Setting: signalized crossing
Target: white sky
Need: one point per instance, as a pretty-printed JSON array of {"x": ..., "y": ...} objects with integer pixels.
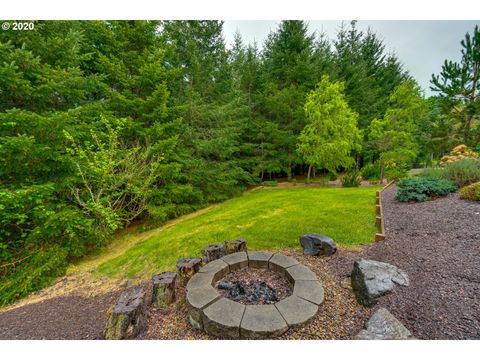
[{"x": 421, "y": 46}]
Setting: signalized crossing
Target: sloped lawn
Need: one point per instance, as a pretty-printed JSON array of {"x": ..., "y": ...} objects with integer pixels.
[{"x": 268, "y": 218}]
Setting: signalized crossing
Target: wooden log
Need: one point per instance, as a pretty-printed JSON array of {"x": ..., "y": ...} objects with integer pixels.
[
  {"x": 127, "y": 318},
  {"x": 213, "y": 252},
  {"x": 237, "y": 245},
  {"x": 163, "y": 293},
  {"x": 187, "y": 267}
]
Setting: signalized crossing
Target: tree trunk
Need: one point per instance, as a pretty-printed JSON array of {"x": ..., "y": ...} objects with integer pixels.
[
  {"x": 309, "y": 171},
  {"x": 314, "y": 171},
  {"x": 382, "y": 173},
  {"x": 289, "y": 170}
]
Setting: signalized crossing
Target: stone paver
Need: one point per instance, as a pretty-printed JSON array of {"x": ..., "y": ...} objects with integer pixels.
[
  {"x": 218, "y": 267},
  {"x": 197, "y": 300},
  {"x": 280, "y": 262},
  {"x": 236, "y": 261},
  {"x": 309, "y": 290},
  {"x": 262, "y": 321},
  {"x": 259, "y": 259},
  {"x": 223, "y": 318},
  {"x": 300, "y": 272},
  {"x": 201, "y": 280},
  {"x": 296, "y": 311}
]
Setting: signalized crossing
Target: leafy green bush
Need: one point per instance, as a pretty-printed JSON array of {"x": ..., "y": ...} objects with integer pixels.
[
  {"x": 462, "y": 172},
  {"x": 431, "y": 172},
  {"x": 270, "y": 183},
  {"x": 396, "y": 173},
  {"x": 471, "y": 192},
  {"x": 371, "y": 172},
  {"x": 421, "y": 189},
  {"x": 351, "y": 178}
]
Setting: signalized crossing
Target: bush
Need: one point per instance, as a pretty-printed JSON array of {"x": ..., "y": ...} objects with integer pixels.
[
  {"x": 351, "y": 178},
  {"x": 421, "y": 189},
  {"x": 371, "y": 172},
  {"x": 269, "y": 183},
  {"x": 395, "y": 173},
  {"x": 431, "y": 172},
  {"x": 458, "y": 153},
  {"x": 471, "y": 192},
  {"x": 462, "y": 172}
]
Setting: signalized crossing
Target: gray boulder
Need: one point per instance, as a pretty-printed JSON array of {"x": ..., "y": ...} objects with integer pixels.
[
  {"x": 384, "y": 326},
  {"x": 372, "y": 279},
  {"x": 128, "y": 317},
  {"x": 317, "y": 244}
]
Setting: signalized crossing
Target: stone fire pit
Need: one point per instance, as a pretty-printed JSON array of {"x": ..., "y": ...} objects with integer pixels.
[{"x": 225, "y": 318}]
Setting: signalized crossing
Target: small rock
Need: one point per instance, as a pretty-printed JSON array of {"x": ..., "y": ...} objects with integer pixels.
[
  {"x": 317, "y": 244},
  {"x": 372, "y": 279},
  {"x": 233, "y": 246},
  {"x": 384, "y": 326},
  {"x": 213, "y": 252},
  {"x": 127, "y": 318}
]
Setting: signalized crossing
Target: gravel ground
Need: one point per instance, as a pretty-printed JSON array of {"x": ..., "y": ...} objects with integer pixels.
[{"x": 436, "y": 242}]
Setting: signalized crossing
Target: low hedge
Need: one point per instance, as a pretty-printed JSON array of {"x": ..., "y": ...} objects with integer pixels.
[
  {"x": 421, "y": 189},
  {"x": 471, "y": 192}
]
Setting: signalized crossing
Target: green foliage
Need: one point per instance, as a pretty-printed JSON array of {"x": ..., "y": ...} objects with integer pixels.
[
  {"x": 462, "y": 172},
  {"x": 458, "y": 85},
  {"x": 371, "y": 172},
  {"x": 269, "y": 183},
  {"x": 393, "y": 136},
  {"x": 421, "y": 189},
  {"x": 352, "y": 178},
  {"x": 431, "y": 172},
  {"x": 331, "y": 133},
  {"x": 471, "y": 192}
]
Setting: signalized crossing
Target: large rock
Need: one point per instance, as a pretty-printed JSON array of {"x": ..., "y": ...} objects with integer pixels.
[
  {"x": 384, "y": 326},
  {"x": 128, "y": 318},
  {"x": 237, "y": 245},
  {"x": 317, "y": 244},
  {"x": 213, "y": 252},
  {"x": 372, "y": 279},
  {"x": 163, "y": 293}
]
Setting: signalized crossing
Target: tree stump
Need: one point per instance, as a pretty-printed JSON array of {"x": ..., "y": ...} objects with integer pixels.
[
  {"x": 127, "y": 318},
  {"x": 187, "y": 267},
  {"x": 163, "y": 289},
  {"x": 237, "y": 245},
  {"x": 213, "y": 252}
]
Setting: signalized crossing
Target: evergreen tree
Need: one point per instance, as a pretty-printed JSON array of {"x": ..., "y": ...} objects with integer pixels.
[{"x": 458, "y": 85}]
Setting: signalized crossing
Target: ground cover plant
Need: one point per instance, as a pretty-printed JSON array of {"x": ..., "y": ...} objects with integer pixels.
[
  {"x": 270, "y": 219},
  {"x": 471, "y": 192},
  {"x": 421, "y": 189}
]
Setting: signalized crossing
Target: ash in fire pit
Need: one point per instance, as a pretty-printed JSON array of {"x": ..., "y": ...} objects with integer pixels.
[{"x": 254, "y": 287}]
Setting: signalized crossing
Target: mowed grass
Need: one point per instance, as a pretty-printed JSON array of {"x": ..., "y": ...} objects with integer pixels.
[{"x": 269, "y": 219}]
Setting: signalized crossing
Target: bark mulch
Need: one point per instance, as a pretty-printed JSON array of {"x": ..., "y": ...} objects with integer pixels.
[{"x": 436, "y": 242}]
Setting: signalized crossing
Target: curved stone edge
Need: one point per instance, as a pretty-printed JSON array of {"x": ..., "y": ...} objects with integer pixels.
[{"x": 224, "y": 318}]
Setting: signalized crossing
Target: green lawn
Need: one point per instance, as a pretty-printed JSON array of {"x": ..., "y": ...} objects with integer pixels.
[{"x": 269, "y": 219}]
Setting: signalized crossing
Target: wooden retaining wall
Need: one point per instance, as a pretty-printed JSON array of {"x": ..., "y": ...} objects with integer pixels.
[{"x": 379, "y": 222}]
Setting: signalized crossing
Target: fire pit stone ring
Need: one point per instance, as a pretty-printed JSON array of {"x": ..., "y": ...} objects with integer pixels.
[{"x": 225, "y": 318}]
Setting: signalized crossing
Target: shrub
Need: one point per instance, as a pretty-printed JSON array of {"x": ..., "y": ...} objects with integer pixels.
[
  {"x": 396, "y": 173},
  {"x": 269, "y": 183},
  {"x": 431, "y": 172},
  {"x": 371, "y": 172},
  {"x": 458, "y": 153},
  {"x": 421, "y": 189},
  {"x": 471, "y": 192},
  {"x": 462, "y": 172},
  {"x": 351, "y": 178}
]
